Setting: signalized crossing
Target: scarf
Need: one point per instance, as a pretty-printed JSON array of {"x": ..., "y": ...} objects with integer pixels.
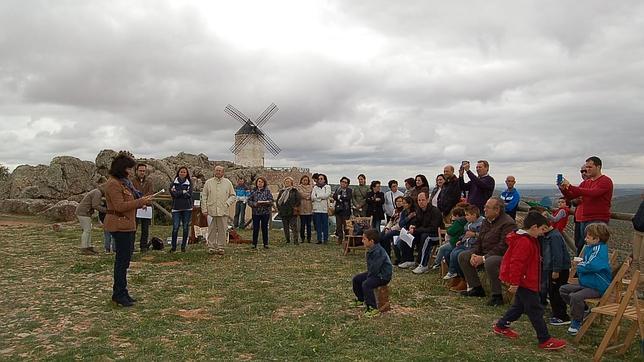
[
  {"x": 284, "y": 196},
  {"x": 127, "y": 183}
]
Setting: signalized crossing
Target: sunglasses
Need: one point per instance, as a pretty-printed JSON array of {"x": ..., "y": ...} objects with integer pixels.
[{"x": 582, "y": 171}]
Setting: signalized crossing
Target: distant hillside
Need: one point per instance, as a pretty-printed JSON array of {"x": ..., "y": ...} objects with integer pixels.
[{"x": 628, "y": 204}]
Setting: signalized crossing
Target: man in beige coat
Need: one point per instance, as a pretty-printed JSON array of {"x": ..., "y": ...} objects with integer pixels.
[{"x": 217, "y": 196}]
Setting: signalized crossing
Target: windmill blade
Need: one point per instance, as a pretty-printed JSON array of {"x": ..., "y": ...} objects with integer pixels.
[
  {"x": 269, "y": 144},
  {"x": 236, "y": 114},
  {"x": 268, "y": 113},
  {"x": 241, "y": 142}
]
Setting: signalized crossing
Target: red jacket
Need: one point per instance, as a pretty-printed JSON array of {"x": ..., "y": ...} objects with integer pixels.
[
  {"x": 521, "y": 264},
  {"x": 561, "y": 224},
  {"x": 596, "y": 197}
]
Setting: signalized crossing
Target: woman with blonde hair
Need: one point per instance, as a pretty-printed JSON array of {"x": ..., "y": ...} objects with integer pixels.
[
  {"x": 306, "y": 207},
  {"x": 287, "y": 201}
]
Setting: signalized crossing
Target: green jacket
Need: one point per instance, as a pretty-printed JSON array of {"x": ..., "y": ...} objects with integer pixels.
[{"x": 456, "y": 230}]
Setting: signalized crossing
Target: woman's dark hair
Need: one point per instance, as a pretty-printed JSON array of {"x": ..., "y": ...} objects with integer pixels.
[
  {"x": 187, "y": 172},
  {"x": 391, "y": 182},
  {"x": 409, "y": 200},
  {"x": 440, "y": 175},
  {"x": 410, "y": 181},
  {"x": 305, "y": 177},
  {"x": 120, "y": 163},
  {"x": 326, "y": 180},
  {"x": 315, "y": 176},
  {"x": 344, "y": 178},
  {"x": 263, "y": 179},
  {"x": 399, "y": 197},
  {"x": 374, "y": 183},
  {"x": 423, "y": 179},
  {"x": 362, "y": 175}
]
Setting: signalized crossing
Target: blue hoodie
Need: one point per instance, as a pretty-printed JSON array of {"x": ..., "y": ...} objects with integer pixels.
[{"x": 594, "y": 270}]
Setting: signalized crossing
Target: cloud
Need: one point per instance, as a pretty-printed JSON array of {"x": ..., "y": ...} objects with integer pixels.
[{"x": 363, "y": 86}]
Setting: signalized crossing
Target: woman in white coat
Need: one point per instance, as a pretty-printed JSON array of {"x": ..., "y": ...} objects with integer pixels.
[{"x": 320, "y": 197}]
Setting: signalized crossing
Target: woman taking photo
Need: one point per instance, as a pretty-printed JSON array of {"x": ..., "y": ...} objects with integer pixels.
[
  {"x": 375, "y": 200},
  {"x": 320, "y": 197},
  {"x": 181, "y": 192},
  {"x": 122, "y": 201},
  {"x": 306, "y": 207},
  {"x": 288, "y": 200},
  {"x": 261, "y": 201}
]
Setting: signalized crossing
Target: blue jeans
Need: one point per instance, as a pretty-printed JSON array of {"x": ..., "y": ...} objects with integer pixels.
[
  {"x": 240, "y": 215},
  {"x": 363, "y": 287},
  {"x": 321, "y": 221},
  {"x": 260, "y": 221},
  {"x": 124, "y": 241},
  {"x": 453, "y": 260},
  {"x": 443, "y": 252},
  {"x": 305, "y": 223},
  {"x": 108, "y": 242},
  {"x": 180, "y": 217},
  {"x": 375, "y": 224}
]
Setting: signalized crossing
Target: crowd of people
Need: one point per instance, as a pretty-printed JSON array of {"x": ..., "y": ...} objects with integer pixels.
[{"x": 480, "y": 231}]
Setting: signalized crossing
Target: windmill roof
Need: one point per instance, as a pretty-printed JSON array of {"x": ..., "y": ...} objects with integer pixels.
[{"x": 249, "y": 129}]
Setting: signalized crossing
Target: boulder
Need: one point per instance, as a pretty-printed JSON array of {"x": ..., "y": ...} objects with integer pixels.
[
  {"x": 64, "y": 210},
  {"x": 103, "y": 162},
  {"x": 33, "y": 179},
  {"x": 69, "y": 176},
  {"x": 24, "y": 206}
]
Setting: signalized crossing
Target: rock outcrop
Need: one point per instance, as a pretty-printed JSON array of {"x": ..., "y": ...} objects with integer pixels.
[{"x": 38, "y": 189}]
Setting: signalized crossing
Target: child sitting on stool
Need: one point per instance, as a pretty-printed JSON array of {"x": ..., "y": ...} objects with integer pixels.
[{"x": 379, "y": 271}]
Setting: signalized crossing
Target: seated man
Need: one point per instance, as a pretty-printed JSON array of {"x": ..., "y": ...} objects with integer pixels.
[
  {"x": 488, "y": 251},
  {"x": 424, "y": 227}
]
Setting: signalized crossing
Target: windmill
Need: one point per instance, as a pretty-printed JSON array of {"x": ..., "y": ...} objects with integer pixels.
[{"x": 250, "y": 139}]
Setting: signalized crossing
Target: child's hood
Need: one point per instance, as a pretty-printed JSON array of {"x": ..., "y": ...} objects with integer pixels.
[{"x": 513, "y": 236}]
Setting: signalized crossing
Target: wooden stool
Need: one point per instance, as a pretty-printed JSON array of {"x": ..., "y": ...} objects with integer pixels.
[{"x": 382, "y": 298}]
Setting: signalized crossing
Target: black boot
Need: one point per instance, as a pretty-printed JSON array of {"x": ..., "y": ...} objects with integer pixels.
[
  {"x": 497, "y": 299},
  {"x": 475, "y": 292}
]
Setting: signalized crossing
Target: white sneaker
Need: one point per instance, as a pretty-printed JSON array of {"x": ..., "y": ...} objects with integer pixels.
[
  {"x": 435, "y": 266},
  {"x": 420, "y": 270},
  {"x": 407, "y": 264},
  {"x": 450, "y": 275}
]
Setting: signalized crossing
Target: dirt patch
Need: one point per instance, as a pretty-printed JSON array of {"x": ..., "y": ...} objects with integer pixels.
[
  {"x": 170, "y": 263},
  {"x": 291, "y": 312},
  {"x": 246, "y": 357},
  {"x": 196, "y": 314},
  {"x": 400, "y": 310}
]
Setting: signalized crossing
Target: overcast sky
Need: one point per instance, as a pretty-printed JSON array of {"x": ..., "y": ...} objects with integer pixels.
[{"x": 387, "y": 88}]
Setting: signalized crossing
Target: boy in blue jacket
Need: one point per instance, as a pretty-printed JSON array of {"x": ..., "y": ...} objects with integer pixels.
[
  {"x": 594, "y": 274},
  {"x": 555, "y": 269},
  {"x": 379, "y": 272}
]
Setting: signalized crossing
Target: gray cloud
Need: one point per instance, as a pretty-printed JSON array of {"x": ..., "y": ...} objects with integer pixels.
[{"x": 534, "y": 87}]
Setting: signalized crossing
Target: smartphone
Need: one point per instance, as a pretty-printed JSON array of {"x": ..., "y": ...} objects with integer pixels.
[{"x": 559, "y": 179}]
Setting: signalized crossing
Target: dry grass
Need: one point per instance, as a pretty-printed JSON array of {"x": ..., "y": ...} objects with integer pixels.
[{"x": 285, "y": 303}]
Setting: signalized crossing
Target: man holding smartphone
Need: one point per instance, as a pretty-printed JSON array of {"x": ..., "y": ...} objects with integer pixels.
[{"x": 480, "y": 186}]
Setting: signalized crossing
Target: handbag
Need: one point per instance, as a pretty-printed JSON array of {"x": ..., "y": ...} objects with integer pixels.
[{"x": 331, "y": 207}]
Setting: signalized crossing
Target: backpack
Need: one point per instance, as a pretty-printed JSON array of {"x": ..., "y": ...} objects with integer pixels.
[{"x": 157, "y": 244}]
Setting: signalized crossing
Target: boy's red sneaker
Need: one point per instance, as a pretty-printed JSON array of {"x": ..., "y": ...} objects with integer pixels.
[
  {"x": 506, "y": 332},
  {"x": 552, "y": 344}
]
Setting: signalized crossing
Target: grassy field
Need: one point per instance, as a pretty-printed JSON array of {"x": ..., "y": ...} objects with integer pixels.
[{"x": 285, "y": 303}]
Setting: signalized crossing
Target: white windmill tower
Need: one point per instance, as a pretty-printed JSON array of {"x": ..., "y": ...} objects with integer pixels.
[{"x": 250, "y": 140}]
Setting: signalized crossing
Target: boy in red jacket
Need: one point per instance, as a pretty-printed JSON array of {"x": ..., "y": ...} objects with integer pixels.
[{"x": 520, "y": 268}]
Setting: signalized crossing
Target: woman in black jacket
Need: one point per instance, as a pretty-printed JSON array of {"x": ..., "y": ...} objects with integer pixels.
[
  {"x": 288, "y": 201},
  {"x": 375, "y": 199},
  {"x": 181, "y": 192},
  {"x": 342, "y": 197}
]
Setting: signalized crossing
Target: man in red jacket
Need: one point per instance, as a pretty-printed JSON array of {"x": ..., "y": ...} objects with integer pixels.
[
  {"x": 596, "y": 193},
  {"x": 520, "y": 269}
]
